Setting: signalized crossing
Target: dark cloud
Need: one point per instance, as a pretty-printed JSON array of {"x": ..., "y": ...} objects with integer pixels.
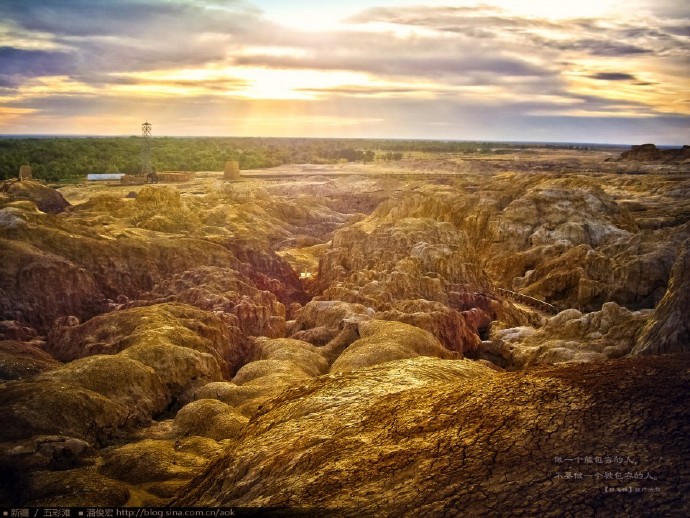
[
  {"x": 609, "y": 48},
  {"x": 678, "y": 30},
  {"x": 133, "y": 18},
  {"x": 102, "y": 37},
  {"x": 613, "y": 76},
  {"x": 621, "y": 76},
  {"x": 17, "y": 65}
]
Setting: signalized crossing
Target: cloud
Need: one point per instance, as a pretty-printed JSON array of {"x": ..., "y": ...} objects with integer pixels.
[
  {"x": 484, "y": 22},
  {"x": 423, "y": 67},
  {"x": 18, "y": 64},
  {"x": 133, "y": 18},
  {"x": 601, "y": 47},
  {"x": 613, "y": 76},
  {"x": 401, "y": 64},
  {"x": 621, "y": 76},
  {"x": 99, "y": 37}
]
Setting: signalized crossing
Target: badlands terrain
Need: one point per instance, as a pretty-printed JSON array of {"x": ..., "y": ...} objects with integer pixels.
[{"x": 428, "y": 337}]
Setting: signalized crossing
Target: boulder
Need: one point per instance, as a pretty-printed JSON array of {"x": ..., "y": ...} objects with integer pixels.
[
  {"x": 209, "y": 418},
  {"x": 159, "y": 460},
  {"x": 72, "y": 488},
  {"x": 383, "y": 342},
  {"x": 46, "y": 198},
  {"x": 23, "y": 360}
]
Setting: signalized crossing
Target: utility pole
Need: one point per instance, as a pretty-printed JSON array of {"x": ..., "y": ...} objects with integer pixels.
[
  {"x": 146, "y": 149},
  {"x": 146, "y": 169}
]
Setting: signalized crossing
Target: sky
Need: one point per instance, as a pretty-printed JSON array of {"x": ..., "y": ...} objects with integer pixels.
[{"x": 605, "y": 71}]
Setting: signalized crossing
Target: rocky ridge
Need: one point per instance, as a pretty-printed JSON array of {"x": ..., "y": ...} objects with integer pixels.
[
  {"x": 649, "y": 152},
  {"x": 464, "y": 440}
]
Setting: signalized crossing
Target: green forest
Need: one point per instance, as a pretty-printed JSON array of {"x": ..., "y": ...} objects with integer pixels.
[{"x": 72, "y": 158}]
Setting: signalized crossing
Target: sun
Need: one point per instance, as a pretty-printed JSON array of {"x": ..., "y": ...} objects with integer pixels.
[{"x": 265, "y": 83}]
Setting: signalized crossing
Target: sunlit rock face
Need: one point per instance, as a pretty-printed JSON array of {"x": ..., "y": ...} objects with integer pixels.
[
  {"x": 570, "y": 243},
  {"x": 381, "y": 342},
  {"x": 668, "y": 329},
  {"x": 123, "y": 369},
  {"x": 438, "y": 437},
  {"x": 569, "y": 337},
  {"x": 345, "y": 343},
  {"x": 226, "y": 291},
  {"x": 177, "y": 324},
  {"x": 408, "y": 263}
]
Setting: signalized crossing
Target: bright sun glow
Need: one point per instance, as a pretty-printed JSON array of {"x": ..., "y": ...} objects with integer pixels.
[
  {"x": 265, "y": 83},
  {"x": 244, "y": 82}
]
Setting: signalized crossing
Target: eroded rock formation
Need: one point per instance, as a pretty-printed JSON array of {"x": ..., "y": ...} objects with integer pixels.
[
  {"x": 649, "y": 152},
  {"x": 570, "y": 336},
  {"x": 428, "y": 437},
  {"x": 668, "y": 330},
  {"x": 300, "y": 343}
]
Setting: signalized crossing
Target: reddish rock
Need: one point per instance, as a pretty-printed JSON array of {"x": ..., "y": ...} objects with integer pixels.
[
  {"x": 257, "y": 312},
  {"x": 13, "y": 330},
  {"x": 37, "y": 286}
]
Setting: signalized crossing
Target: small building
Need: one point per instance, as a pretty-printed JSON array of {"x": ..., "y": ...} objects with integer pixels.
[
  {"x": 94, "y": 177},
  {"x": 25, "y": 172},
  {"x": 175, "y": 176},
  {"x": 131, "y": 179},
  {"x": 162, "y": 177},
  {"x": 232, "y": 170}
]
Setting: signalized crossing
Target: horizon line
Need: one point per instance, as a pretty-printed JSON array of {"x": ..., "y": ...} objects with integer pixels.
[{"x": 418, "y": 139}]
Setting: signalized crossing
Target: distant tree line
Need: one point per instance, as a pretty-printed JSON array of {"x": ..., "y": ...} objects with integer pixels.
[{"x": 56, "y": 158}]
